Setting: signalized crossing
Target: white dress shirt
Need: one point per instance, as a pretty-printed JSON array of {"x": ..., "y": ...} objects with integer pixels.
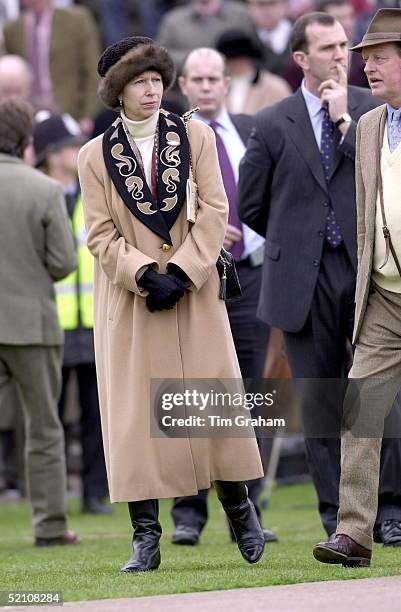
[{"x": 235, "y": 150}]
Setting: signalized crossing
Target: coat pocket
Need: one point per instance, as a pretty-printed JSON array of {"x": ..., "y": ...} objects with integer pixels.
[
  {"x": 115, "y": 298},
  {"x": 272, "y": 250}
]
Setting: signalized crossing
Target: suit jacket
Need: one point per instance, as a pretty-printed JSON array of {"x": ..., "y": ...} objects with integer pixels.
[
  {"x": 283, "y": 195},
  {"x": 243, "y": 124},
  {"x": 73, "y": 56},
  {"x": 370, "y": 128},
  {"x": 36, "y": 248}
]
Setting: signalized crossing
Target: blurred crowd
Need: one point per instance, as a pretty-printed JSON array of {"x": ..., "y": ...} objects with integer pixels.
[
  {"x": 61, "y": 41},
  {"x": 49, "y": 51}
]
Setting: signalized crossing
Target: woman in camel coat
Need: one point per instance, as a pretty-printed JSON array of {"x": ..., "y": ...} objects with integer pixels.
[{"x": 157, "y": 311}]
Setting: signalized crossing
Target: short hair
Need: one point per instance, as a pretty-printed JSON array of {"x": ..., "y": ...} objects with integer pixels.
[
  {"x": 205, "y": 51},
  {"x": 298, "y": 38},
  {"x": 16, "y": 121}
]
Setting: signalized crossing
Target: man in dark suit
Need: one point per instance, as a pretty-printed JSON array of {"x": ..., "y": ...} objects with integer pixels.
[
  {"x": 205, "y": 84},
  {"x": 297, "y": 188}
]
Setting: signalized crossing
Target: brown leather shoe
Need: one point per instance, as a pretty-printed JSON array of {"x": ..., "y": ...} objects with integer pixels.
[
  {"x": 69, "y": 537},
  {"x": 343, "y": 549}
]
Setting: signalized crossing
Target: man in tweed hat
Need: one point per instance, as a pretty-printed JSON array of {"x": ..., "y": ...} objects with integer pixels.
[{"x": 376, "y": 372}]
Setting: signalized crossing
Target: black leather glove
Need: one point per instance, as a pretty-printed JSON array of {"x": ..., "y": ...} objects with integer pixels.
[
  {"x": 182, "y": 280},
  {"x": 164, "y": 291}
]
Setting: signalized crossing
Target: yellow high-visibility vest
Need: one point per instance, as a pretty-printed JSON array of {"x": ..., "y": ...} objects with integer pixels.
[{"x": 74, "y": 294}]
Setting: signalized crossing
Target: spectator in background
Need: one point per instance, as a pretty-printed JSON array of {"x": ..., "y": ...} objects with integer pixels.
[
  {"x": 115, "y": 17},
  {"x": 57, "y": 140},
  {"x": 15, "y": 77},
  {"x": 251, "y": 88},
  {"x": 9, "y": 9},
  {"x": 273, "y": 29},
  {"x": 344, "y": 12},
  {"x": 199, "y": 25},
  {"x": 36, "y": 249},
  {"x": 15, "y": 81},
  {"x": 61, "y": 47},
  {"x": 297, "y": 8}
]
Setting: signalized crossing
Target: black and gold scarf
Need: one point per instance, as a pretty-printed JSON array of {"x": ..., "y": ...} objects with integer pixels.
[{"x": 160, "y": 214}]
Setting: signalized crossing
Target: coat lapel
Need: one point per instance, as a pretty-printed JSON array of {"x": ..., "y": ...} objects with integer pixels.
[
  {"x": 303, "y": 137},
  {"x": 158, "y": 214},
  {"x": 376, "y": 142}
]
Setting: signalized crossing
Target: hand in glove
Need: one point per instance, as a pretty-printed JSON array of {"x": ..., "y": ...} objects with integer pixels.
[
  {"x": 182, "y": 280},
  {"x": 164, "y": 292}
]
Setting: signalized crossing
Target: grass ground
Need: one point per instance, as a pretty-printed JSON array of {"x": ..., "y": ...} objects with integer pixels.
[{"x": 90, "y": 570}]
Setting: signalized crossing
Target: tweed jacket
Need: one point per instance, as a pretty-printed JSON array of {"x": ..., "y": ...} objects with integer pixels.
[
  {"x": 36, "y": 248},
  {"x": 370, "y": 128},
  {"x": 73, "y": 55}
]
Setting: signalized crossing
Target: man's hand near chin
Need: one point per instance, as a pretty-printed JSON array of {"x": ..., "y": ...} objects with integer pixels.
[{"x": 334, "y": 94}]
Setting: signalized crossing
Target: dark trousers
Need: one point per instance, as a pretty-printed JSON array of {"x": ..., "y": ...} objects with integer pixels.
[
  {"x": 250, "y": 339},
  {"x": 319, "y": 357},
  {"x": 94, "y": 479}
]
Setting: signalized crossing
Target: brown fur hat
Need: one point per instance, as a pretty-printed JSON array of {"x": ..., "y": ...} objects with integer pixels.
[{"x": 125, "y": 60}]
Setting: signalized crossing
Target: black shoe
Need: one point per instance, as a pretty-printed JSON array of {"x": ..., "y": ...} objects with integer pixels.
[
  {"x": 243, "y": 520},
  {"x": 185, "y": 535},
  {"x": 95, "y": 505},
  {"x": 388, "y": 533},
  {"x": 270, "y": 536},
  {"x": 146, "y": 557},
  {"x": 344, "y": 550},
  {"x": 147, "y": 532}
]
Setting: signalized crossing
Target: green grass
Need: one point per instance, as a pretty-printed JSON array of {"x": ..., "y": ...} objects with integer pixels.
[{"x": 91, "y": 569}]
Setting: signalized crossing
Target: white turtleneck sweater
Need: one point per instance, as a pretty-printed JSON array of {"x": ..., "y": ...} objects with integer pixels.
[{"x": 143, "y": 132}]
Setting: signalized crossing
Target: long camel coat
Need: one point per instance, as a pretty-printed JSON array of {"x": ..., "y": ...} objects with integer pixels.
[{"x": 134, "y": 345}]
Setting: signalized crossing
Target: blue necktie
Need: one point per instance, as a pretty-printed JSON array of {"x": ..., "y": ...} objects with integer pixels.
[
  {"x": 327, "y": 148},
  {"x": 394, "y": 135}
]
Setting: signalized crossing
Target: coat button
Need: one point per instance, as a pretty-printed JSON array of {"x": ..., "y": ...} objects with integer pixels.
[
  {"x": 165, "y": 246},
  {"x": 325, "y": 203},
  {"x": 316, "y": 263}
]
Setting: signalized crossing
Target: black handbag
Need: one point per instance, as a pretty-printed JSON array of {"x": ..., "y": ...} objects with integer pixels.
[{"x": 230, "y": 288}]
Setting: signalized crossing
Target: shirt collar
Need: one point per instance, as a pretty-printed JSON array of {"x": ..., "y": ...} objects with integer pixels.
[
  {"x": 390, "y": 111},
  {"x": 313, "y": 103},
  {"x": 223, "y": 119}
]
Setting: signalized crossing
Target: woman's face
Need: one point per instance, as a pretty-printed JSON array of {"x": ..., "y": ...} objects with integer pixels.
[{"x": 142, "y": 96}]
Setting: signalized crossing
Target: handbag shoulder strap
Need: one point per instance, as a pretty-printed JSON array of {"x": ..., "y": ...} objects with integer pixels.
[
  {"x": 386, "y": 231},
  {"x": 186, "y": 117}
]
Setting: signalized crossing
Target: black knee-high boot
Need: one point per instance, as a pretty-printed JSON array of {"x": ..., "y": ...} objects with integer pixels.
[
  {"x": 242, "y": 517},
  {"x": 145, "y": 541}
]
